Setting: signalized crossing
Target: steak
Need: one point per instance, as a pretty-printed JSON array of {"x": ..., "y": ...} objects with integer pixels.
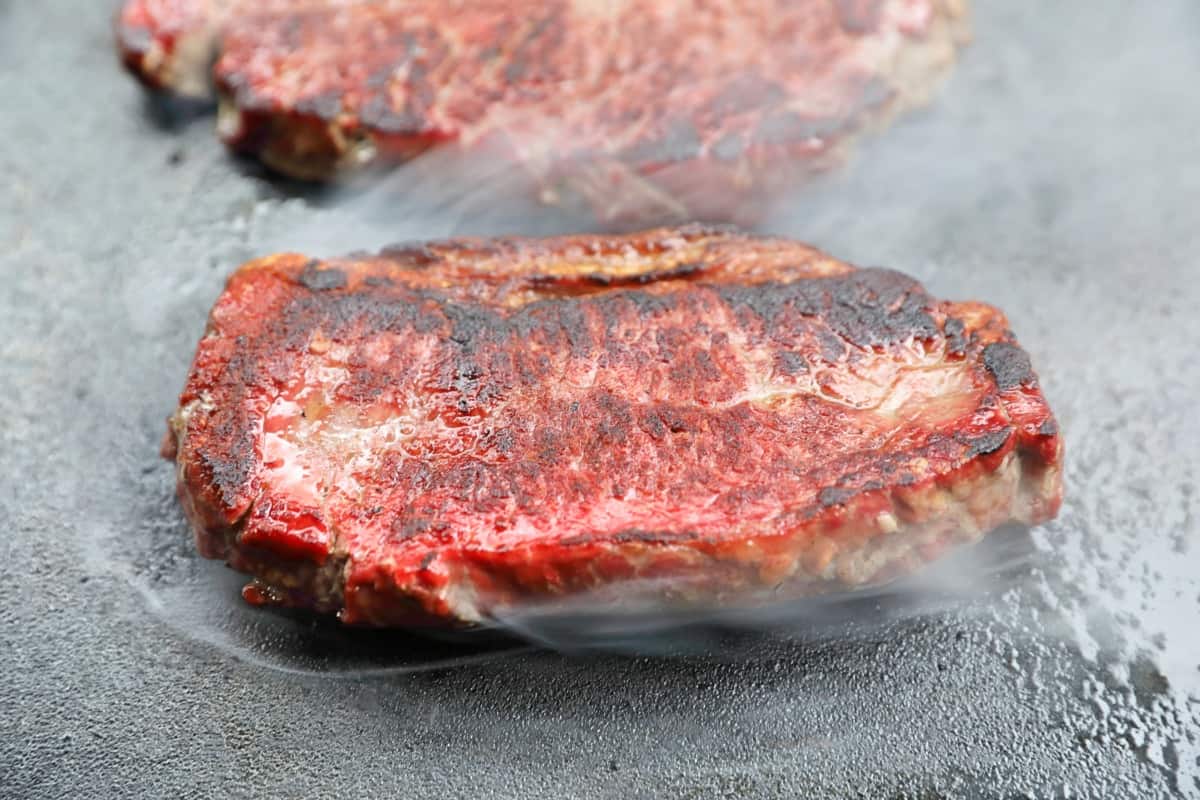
[
  {"x": 675, "y": 109},
  {"x": 446, "y": 432}
]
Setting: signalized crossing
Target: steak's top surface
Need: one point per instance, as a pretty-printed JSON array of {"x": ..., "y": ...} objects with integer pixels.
[
  {"x": 318, "y": 84},
  {"x": 513, "y": 399}
]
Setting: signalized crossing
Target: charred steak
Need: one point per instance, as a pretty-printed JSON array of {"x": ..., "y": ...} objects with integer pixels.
[
  {"x": 679, "y": 108},
  {"x": 683, "y": 416}
]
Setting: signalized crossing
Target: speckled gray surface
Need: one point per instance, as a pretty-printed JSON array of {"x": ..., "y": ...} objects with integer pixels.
[{"x": 1058, "y": 176}]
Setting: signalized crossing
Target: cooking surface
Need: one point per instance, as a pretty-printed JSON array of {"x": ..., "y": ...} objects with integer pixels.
[{"x": 1056, "y": 177}]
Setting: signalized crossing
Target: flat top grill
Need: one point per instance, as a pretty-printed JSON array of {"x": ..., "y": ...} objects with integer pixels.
[{"x": 1056, "y": 177}]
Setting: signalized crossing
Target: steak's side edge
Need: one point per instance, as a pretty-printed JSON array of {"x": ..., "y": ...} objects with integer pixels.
[
  {"x": 870, "y": 543},
  {"x": 868, "y": 540},
  {"x": 170, "y": 55}
]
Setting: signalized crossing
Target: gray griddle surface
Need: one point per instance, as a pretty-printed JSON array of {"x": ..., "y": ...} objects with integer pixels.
[{"x": 1057, "y": 176}]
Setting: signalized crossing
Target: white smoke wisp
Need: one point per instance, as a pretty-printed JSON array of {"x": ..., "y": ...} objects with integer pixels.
[
  {"x": 441, "y": 194},
  {"x": 961, "y": 582}
]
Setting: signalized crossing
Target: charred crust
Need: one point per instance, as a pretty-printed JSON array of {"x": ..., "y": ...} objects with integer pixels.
[
  {"x": 654, "y": 537},
  {"x": 653, "y": 424},
  {"x": 987, "y": 443},
  {"x": 408, "y": 527},
  {"x": 230, "y": 469},
  {"x": 956, "y": 340},
  {"x": 634, "y": 536},
  {"x": 379, "y": 115},
  {"x": 790, "y": 363},
  {"x": 325, "y": 106},
  {"x": 835, "y": 496},
  {"x": 681, "y": 271},
  {"x": 866, "y": 308},
  {"x": 415, "y": 255},
  {"x": 320, "y": 280},
  {"x": 833, "y": 349},
  {"x": 1009, "y": 365}
]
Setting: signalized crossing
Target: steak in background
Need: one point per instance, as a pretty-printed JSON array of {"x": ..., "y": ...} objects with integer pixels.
[
  {"x": 687, "y": 417},
  {"x": 665, "y": 110}
]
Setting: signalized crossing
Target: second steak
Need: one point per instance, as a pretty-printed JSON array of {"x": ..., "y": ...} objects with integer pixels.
[{"x": 636, "y": 111}]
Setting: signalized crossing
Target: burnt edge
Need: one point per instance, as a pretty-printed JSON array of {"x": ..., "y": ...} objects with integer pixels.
[
  {"x": 1009, "y": 365},
  {"x": 987, "y": 443},
  {"x": 321, "y": 279}
]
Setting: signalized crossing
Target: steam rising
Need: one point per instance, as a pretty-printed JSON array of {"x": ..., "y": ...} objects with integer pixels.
[
  {"x": 954, "y": 583},
  {"x": 206, "y": 605},
  {"x": 445, "y": 192}
]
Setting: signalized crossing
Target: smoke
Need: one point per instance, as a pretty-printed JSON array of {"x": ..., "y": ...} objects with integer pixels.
[
  {"x": 961, "y": 582},
  {"x": 443, "y": 193},
  {"x": 205, "y": 604},
  {"x": 202, "y": 600}
]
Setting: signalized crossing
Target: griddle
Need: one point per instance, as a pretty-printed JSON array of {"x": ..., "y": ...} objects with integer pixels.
[{"x": 1057, "y": 176}]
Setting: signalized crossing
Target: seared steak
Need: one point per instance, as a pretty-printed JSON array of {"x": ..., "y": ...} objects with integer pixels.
[
  {"x": 687, "y": 416},
  {"x": 670, "y": 109}
]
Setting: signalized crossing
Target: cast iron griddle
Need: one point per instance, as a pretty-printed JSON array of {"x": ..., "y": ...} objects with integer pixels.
[{"x": 1057, "y": 177}]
